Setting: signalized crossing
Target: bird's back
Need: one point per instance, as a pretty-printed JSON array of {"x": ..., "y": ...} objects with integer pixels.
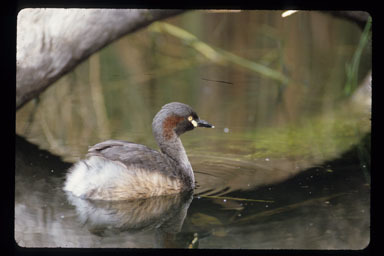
[{"x": 120, "y": 170}]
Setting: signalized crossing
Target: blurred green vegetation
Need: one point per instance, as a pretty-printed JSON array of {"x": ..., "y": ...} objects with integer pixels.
[
  {"x": 352, "y": 68},
  {"x": 275, "y": 84},
  {"x": 217, "y": 56}
]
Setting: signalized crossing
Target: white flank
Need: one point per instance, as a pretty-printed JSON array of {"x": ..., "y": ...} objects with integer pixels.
[{"x": 101, "y": 179}]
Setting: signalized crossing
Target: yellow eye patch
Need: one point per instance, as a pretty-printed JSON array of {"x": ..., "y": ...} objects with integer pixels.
[{"x": 190, "y": 119}]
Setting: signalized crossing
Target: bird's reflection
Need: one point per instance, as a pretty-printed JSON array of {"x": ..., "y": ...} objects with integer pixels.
[{"x": 166, "y": 214}]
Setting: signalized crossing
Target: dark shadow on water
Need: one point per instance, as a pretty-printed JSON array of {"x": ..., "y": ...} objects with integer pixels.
[
  {"x": 324, "y": 207},
  {"x": 31, "y": 160}
]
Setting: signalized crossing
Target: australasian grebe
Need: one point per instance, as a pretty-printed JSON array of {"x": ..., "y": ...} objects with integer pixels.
[{"x": 120, "y": 170}]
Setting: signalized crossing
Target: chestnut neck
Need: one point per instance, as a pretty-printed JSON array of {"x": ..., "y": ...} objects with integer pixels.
[{"x": 171, "y": 145}]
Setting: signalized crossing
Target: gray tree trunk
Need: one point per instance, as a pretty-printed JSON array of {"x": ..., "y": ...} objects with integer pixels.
[{"x": 51, "y": 42}]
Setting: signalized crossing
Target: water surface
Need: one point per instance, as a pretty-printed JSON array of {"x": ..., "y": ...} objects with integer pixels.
[{"x": 287, "y": 166}]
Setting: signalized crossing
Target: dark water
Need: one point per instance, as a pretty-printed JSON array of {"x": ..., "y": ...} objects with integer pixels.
[
  {"x": 323, "y": 207},
  {"x": 287, "y": 166}
]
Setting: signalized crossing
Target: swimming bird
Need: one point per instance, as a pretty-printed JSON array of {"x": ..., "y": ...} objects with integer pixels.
[{"x": 121, "y": 170}]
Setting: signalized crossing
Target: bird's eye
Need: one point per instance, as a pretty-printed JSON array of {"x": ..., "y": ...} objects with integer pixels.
[{"x": 192, "y": 120}]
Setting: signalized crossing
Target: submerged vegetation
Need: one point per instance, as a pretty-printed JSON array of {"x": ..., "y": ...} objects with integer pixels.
[{"x": 321, "y": 137}]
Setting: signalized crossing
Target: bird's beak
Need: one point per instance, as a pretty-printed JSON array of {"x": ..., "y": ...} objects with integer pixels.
[{"x": 202, "y": 123}]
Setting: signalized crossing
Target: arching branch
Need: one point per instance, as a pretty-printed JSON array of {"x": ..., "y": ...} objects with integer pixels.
[{"x": 51, "y": 42}]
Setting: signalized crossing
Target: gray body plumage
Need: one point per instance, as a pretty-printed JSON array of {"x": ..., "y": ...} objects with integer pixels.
[
  {"x": 132, "y": 154},
  {"x": 119, "y": 170}
]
